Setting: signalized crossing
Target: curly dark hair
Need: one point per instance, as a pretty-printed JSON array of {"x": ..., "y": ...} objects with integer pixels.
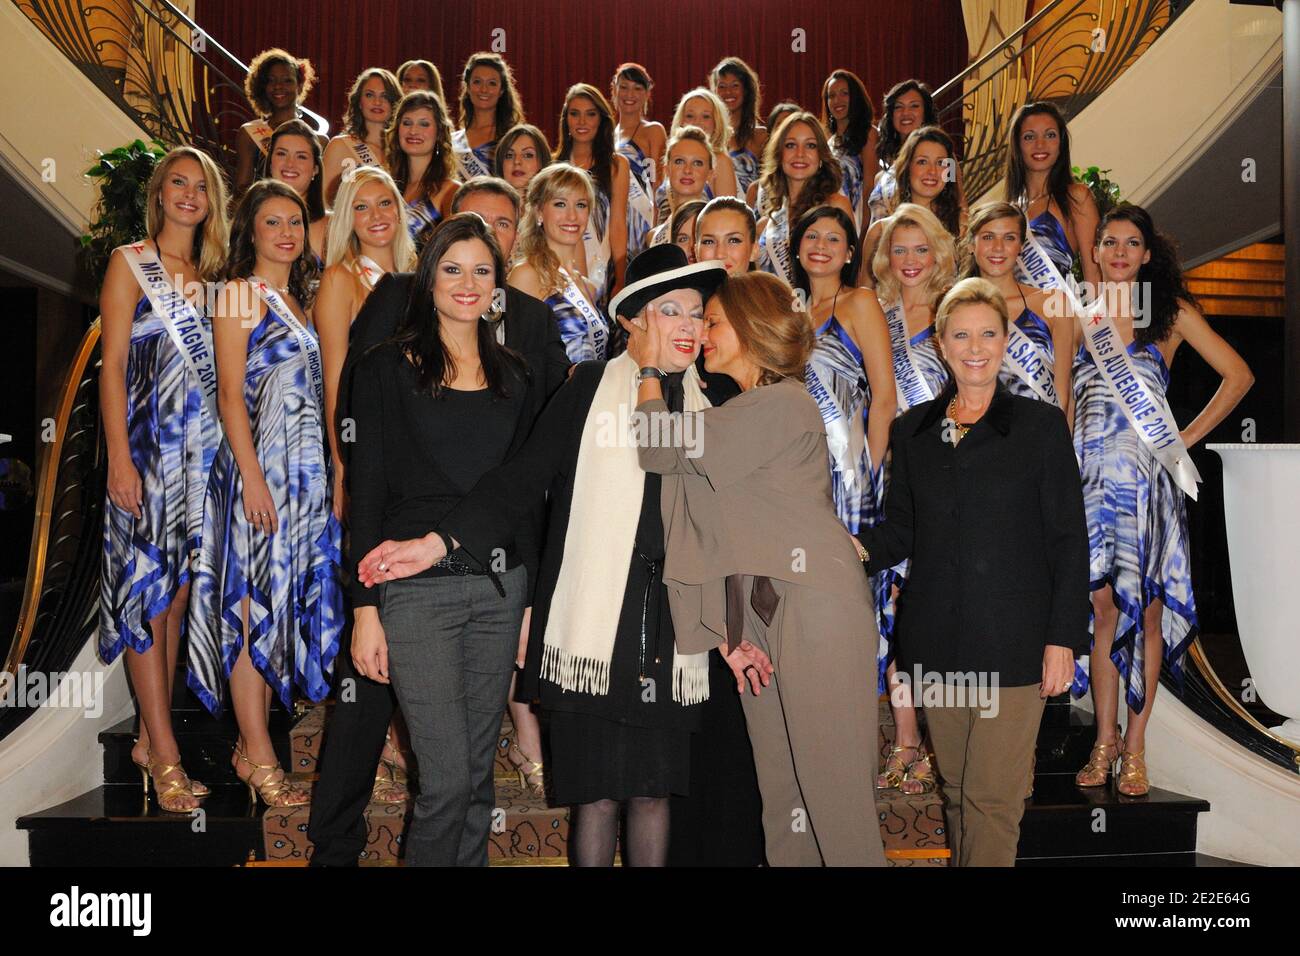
[
  {"x": 1162, "y": 274},
  {"x": 259, "y": 73},
  {"x": 354, "y": 121},
  {"x": 890, "y": 142},
  {"x": 857, "y": 126},
  {"x": 442, "y": 165},
  {"x": 418, "y": 332},
  {"x": 304, "y": 274}
]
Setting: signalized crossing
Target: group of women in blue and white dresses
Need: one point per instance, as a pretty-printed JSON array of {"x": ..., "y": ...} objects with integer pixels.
[{"x": 224, "y": 484}]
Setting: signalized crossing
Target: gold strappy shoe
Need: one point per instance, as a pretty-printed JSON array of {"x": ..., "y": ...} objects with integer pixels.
[
  {"x": 920, "y": 775},
  {"x": 895, "y": 768},
  {"x": 527, "y": 770},
  {"x": 1132, "y": 780},
  {"x": 1101, "y": 762},
  {"x": 275, "y": 789},
  {"x": 196, "y": 787},
  {"x": 175, "y": 789}
]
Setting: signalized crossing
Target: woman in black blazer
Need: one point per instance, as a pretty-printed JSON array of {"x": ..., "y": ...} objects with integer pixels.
[{"x": 985, "y": 499}]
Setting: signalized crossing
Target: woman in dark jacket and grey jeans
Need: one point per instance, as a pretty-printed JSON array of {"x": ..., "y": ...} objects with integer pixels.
[{"x": 985, "y": 499}]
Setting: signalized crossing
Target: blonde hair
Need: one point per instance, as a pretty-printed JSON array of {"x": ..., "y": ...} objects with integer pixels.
[
  {"x": 775, "y": 335},
  {"x": 210, "y": 241},
  {"x": 972, "y": 291},
  {"x": 544, "y": 187},
  {"x": 945, "y": 253},
  {"x": 721, "y": 118},
  {"x": 687, "y": 134},
  {"x": 341, "y": 241}
]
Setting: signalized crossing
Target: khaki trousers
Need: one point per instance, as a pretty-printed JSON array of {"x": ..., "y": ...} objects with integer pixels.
[
  {"x": 983, "y": 762},
  {"x": 813, "y": 729}
]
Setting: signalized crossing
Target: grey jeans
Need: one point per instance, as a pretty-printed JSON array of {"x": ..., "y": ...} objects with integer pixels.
[{"x": 451, "y": 652}]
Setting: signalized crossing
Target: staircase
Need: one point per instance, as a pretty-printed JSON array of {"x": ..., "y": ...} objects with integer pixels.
[{"x": 113, "y": 825}]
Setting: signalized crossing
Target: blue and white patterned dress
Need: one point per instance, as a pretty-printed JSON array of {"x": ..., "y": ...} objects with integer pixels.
[
  {"x": 421, "y": 216},
  {"x": 640, "y": 202},
  {"x": 934, "y": 373},
  {"x": 1137, "y": 522},
  {"x": 774, "y": 254},
  {"x": 884, "y": 196},
  {"x": 1047, "y": 229},
  {"x": 471, "y": 161},
  {"x": 583, "y": 328},
  {"x": 1038, "y": 332},
  {"x": 173, "y": 440},
  {"x": 745, "y": 164},
  {"x": 837, "y": 381},
  {"x": 292, "y": 577},
  {"x": 851, "y": 182}
]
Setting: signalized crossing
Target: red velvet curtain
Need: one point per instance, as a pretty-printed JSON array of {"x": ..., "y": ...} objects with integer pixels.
[{"x": 552, "y": 44}]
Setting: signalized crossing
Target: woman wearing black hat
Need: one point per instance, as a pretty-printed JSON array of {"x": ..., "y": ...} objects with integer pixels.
[{"x": 621, "y": 700}]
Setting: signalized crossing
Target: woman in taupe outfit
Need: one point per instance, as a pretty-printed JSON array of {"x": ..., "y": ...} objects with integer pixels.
[{"x": 751, "y": 528}]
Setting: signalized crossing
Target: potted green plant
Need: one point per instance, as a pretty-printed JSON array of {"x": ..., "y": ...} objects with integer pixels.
[
  {"x": 121, "y": 177},
  {"x": 1105, "y": 193}
]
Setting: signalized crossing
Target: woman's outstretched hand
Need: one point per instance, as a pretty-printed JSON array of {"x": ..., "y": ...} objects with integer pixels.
[
  {"x": 748, "y": 662},
  {"x": 400, "y": 559}
]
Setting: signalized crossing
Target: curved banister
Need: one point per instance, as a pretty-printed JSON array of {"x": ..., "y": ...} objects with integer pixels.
[{"x": 157, "y": 65}]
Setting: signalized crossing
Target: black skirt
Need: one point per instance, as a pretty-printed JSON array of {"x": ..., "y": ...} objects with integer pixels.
[{"x": 593, "y": 758}]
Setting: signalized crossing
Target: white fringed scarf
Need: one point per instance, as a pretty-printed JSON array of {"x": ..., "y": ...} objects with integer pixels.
[{"x": 585, "y": 608}]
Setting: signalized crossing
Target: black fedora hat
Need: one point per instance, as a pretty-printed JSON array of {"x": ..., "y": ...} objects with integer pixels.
[{"x": 662, "y": 269}]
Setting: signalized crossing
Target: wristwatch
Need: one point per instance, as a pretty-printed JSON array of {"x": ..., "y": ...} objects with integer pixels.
[{"x": 650, "y": 372}]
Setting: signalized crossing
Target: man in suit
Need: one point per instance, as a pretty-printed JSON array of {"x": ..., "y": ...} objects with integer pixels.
[{"x": 354, "y": 741}]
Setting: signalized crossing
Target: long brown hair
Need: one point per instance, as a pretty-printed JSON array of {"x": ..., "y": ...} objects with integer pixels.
[
  {"x": 315, "y": 190},
  {"x": 509, "y": 111},
  {"x": 751, "y": 96},
  {"x": 443, "y": 161},
  {"x": 602, "y": 148},
  {"x": 857, "y": 125},
  {"x": 435, "y": 78},
  {"x": 354, "y": 121},
  {"x": 947, "y": 205},
  {"x": 822, "y": 184},
  {"x": 1059, "y": 177},
  {"x": 304, "y": 274}
]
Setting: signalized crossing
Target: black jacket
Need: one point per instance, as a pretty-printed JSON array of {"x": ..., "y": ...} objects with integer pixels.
[
  {"x": 996, "y": 532},
  {"x": 530, "y": 330}
]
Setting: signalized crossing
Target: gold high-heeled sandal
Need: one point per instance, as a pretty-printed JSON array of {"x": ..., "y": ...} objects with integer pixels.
[
  {"x": 196, "y": 787},
  {"x": 1132, "y": 781},
  {"x": 275, "y": 791},
  {"x": 527, "y": 770},
  {"x": 1101, "y": 762},
  {"x": 895, "y": 768},
  {"x": 167, "y": 799},
  {"x": 919, "y": 777}
]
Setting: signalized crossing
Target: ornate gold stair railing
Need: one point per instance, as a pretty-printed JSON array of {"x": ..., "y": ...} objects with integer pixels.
[
  {"x": 1068, "y": 52},
  {"x": 157, "y": 65},
  {"x": 60, "y": 600}
]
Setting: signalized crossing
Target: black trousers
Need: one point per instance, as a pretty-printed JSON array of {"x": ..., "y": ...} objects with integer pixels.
[
  {"x": 350, "y": 752},
  {"x": 721, "y": 822}
]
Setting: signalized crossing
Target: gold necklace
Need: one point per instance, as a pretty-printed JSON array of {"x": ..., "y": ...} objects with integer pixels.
[{"x": 959, "y": 430}]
